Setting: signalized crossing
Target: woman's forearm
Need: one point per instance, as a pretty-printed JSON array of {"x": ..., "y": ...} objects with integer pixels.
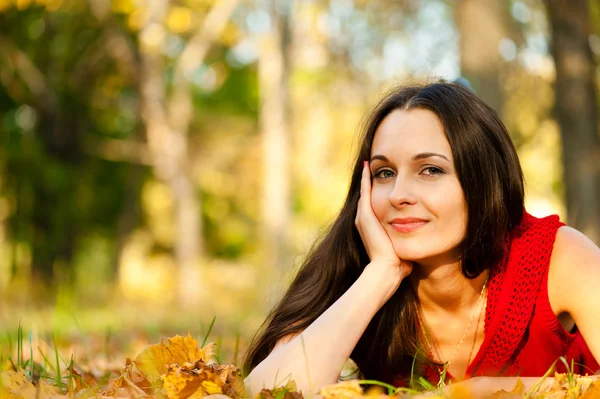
[{"x": 316, "y": 356}]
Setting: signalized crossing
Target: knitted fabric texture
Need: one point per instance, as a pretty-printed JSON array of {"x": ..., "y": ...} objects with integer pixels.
[{"x": 522, "y": 334}]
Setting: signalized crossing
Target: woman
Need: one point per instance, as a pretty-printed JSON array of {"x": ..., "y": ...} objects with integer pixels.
[{"x": 433, "y": 261}]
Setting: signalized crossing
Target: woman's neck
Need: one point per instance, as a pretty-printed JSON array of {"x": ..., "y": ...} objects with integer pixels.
[{"x": 444, "y": 288}]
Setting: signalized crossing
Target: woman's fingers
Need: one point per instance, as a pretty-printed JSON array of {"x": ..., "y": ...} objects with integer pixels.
[
  {"x": 377, "y": 243},
  {"x": 371, "y": 231},
  {"x": 365, "y": 187}
]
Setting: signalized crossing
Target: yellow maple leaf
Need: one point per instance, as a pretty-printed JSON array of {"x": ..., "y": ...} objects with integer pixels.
[
  {"x": 181, "y": 384},
  {"x": 7, "y": 365},
  {"x": 593, "y": 391},
  {"x": 517, "y": 392},
  {"x": 17, "y": 385},
  {"x": 155, "y": 360},
  {"x": 12, "y": 380},
  {"x": 346, "y": 389},
  {"x": 122, "y": 387},
  {"x": 211, "y": 388},
  {"x": 461, "y": 392}
]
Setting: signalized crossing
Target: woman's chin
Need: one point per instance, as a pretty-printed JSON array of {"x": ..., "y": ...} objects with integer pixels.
[{"x": 409, "y": 256}]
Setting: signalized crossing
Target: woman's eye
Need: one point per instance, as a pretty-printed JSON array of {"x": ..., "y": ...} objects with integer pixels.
[
  {"x": 432, "y": 171},
  {"x": 384, "y": 174}
]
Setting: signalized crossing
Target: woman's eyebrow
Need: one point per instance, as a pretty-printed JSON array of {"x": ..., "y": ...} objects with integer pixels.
[
  {"x": 417, "y": 157},
  {"x": 424, "y": 155},
  {"x": 380, "y": 157}
]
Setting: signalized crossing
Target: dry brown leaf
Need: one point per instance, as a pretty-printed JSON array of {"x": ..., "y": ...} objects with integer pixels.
[
  {"x": 289, "y": 391},
  {"x": 233, "y": 381},
  {"x": 81, "y": 380},
  {"x": 122, "y": 387},
  {"x": 138, "y": 378},
  {"x": 278, "y": 393}
]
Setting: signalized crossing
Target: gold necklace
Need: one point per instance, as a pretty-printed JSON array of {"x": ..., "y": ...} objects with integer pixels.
[{"x": 429, "y": 342}]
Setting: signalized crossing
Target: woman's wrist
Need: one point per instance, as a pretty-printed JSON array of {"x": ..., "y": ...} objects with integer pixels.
[{"x": 386, "y": 275}]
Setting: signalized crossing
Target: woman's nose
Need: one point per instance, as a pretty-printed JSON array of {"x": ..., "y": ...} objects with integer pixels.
[{"x": 402, "y": 194}]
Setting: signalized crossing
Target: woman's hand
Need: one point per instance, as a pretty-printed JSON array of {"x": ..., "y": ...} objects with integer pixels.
[{"x": 374, "y": 237}]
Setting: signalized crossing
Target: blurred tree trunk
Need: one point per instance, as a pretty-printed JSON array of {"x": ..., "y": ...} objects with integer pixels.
[
  {"x": 167, "y": 122},
  {"x": 169, "y": 149},
  {"x": 275, "y": 128},
  {"x": 482, "y": 25},
  {"x": 576, "y": 110}
]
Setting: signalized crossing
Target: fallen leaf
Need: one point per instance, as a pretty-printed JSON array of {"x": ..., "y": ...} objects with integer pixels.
[
  {"x": 13, "y": 380},
  {"x": 155, "y": 359},
  {"x": 517, "y": 392},
  {"x": 138, "y": 378},
  {"x": 593, "y": 391},
  {"x": 122, "y": 387},
  {"x": 181, "y": 384},
  {"x": 211, "y": 388},
  {"x": 14, "y": 384},
  {"x": 289, "y": 391},
  {"x": 345, "y": 389}
]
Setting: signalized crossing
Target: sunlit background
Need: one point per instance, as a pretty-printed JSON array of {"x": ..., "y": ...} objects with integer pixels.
[{"x": 164, "y": 163}]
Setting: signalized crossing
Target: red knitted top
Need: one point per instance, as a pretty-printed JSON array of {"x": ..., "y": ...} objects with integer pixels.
[{"x": 523, "y": 336}]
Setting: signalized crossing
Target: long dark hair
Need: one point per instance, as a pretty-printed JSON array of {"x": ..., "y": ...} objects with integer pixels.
[{"x": 490, "y": 175}]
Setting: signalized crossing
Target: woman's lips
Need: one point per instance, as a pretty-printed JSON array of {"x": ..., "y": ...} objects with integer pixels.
[{"x": 407, "y": 226}]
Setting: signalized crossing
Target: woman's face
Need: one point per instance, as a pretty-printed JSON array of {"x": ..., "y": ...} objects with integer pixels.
[{"x": 415, "y": 193}]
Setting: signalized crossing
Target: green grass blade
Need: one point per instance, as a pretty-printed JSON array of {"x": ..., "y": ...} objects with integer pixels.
[
  {"x": 31, "y": 364},
  {"x": 586, "y": 368},
  {"x": 236, "y": 350},
  {"x": 391, "y": 389},
  {"x": 10, "y": 343},
  {"x": 286, "y": 379},
  {"x": 539, "y": 383},
  {"x": 217, "y": 354},
  {"x": 47, "y": 362},
  {"x": 19, "y": 346},
  {"x": 80, "y": 379},
  {"x": 71, "y": 372},
  {"x": 59, "y": 383},
  {"x": 426, "y": 384},
  {"x": 212, "y": 323},
  {"x": 442, "y": 383},
  {"x": 412, "y": 369}
]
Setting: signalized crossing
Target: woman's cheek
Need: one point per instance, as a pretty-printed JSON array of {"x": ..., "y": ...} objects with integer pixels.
[{"x": 378, "y": 199}]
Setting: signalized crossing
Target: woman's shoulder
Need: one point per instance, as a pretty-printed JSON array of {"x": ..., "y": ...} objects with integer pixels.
[
  {"x": 575, "y": 260},
  {"x": 573, "y": 281}
]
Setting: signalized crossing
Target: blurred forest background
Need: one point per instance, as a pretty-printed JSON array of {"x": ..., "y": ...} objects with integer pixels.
[{"x": 166, "y": 162}]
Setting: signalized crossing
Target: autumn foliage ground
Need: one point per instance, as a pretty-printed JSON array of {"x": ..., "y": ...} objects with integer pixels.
[{"x": 182, "y": 368}]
